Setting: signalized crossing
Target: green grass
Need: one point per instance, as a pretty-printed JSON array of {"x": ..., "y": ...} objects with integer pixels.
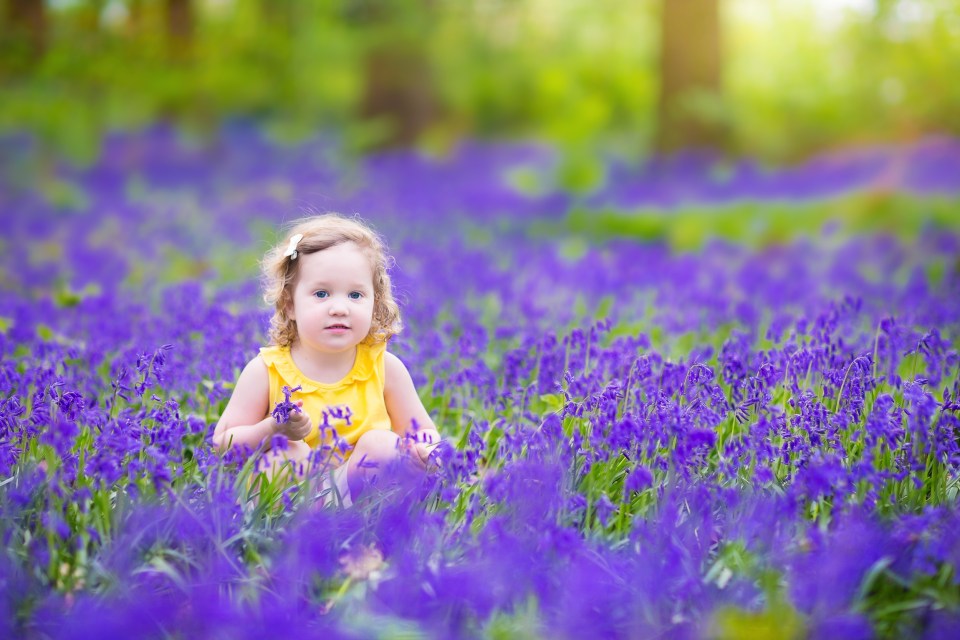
[{"x": 760, "y": 224}]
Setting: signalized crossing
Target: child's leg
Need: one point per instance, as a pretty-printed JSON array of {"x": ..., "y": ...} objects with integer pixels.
[
  {"x": 377, "y": 447},
  {"x": 275, "y": 460}
]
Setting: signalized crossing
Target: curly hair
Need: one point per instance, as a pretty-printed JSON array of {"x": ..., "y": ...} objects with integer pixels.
[{"x": 322, "y": 232}]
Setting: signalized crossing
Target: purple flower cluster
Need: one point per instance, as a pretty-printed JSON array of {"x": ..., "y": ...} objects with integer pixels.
[
  {"x": 283, "y": 409},
  {"x": 639, "y": 441}
]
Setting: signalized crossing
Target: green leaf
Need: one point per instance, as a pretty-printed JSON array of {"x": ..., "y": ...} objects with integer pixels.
[
  {"x": 44, "y": 332},
  {"x": 871, "y": 577},
  {"x": 66, "y": 298},
  {"x": 159, "y": 564},
  {"x": 779, "y": 622},
  {"x": 553, "y": 402},
  {"x": 898, "y": 607}
]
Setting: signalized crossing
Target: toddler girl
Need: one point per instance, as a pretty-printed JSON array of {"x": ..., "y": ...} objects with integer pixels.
[{"x": 333, "y": 315}]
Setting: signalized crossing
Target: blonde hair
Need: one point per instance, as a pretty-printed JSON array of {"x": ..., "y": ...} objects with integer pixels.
[{"x": 322, "y": 232}]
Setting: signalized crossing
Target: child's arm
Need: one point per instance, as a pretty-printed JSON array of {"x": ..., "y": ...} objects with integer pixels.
[
  {"x": 243, "y": 421},
  {"x": 403, "y": 403}
]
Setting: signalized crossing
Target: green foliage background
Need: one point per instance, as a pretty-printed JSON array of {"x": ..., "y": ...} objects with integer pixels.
[{"x": 798, "y": 77}]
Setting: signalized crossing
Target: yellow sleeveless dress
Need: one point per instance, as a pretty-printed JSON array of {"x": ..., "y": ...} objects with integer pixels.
[{"x": 361, "y": 390}]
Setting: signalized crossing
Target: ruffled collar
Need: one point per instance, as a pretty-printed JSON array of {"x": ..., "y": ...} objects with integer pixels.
[{"x": 364, "y": 366}]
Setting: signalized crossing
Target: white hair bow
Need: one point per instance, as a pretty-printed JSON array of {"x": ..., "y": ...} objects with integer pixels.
[{"x": 292, "y": 247}]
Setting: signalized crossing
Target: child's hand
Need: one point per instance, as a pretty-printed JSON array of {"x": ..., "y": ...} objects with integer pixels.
[
  {"x": 422, "y": 451},
  {"x": 297, "y": 427}
]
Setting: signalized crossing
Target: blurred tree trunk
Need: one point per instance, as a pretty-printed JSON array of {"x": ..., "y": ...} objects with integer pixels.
[
  {"x": 690, "y": 67},
  {"x": 90, "y": 16},
  {"x": 180, "y": 27},
  {"x": 398, "y": 80},
  {"x": 135, "y": 14},
  {"x": 27, "y": 28},
  {"x": 398, "y": 88},
  {"x": 280, "y": 13}
]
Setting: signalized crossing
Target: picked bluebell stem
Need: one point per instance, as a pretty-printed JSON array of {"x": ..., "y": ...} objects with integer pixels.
[{"x": 282, "y": 411}]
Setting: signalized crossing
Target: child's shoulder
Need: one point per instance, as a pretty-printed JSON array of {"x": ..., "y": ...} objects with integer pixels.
[
  {"x": 254, "y": 373},
  {"x": 393, "y": 365},
  {"x": 272, "y": 354},
  {"x": 273, "y": 348}
]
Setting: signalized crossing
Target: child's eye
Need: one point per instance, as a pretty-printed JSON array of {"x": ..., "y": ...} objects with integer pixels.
[
  {"x": 321, "y": 294},
  {"x": 355, "y": 295}
]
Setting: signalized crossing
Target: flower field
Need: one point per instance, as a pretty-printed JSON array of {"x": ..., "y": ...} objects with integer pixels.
[{"x": 693, "y": 402}]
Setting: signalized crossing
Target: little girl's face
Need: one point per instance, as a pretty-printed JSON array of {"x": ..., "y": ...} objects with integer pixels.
[{"x": 333, "y": 298}]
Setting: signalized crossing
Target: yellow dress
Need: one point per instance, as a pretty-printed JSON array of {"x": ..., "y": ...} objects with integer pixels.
[{"x": 361, "y": 390}]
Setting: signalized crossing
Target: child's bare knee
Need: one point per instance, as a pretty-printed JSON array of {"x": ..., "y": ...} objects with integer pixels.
[
  {"x": 297, "y": 450},
  {"x": 378, "y": 444},
  {"x": 296, "y": 455}
]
